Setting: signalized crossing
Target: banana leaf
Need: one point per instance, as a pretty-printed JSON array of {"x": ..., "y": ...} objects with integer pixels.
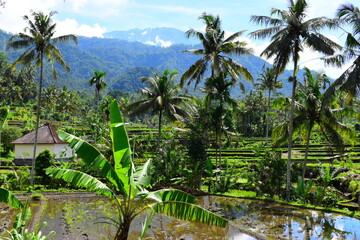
[
  {"x": 81, "y": 179},
  {"x": 9, "y": 198}
]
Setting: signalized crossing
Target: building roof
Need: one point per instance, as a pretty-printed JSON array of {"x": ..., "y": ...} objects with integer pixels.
[{"x": 46, "y": 135}]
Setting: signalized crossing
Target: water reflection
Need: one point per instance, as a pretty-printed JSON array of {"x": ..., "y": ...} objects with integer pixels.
[
  {"x": 275, "y": 220},
  {"x": 76, "y": 219}
]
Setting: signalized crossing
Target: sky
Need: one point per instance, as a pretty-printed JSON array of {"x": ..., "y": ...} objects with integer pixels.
[{"x": 93, "y": 18}]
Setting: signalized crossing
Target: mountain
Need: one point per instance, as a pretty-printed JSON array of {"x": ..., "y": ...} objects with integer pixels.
[
  {"x": 161, "y": 37},
  {"x": 126, "y": 62}
]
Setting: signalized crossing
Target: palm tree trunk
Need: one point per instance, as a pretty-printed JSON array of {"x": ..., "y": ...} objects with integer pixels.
[
  {"x": 32, "y": 173},
  {"x": 159, "y": 132},
  {"x": 267, "y": 118},
  {"x": 306, "y": 151},
  {"x": 291, "y": 123}
]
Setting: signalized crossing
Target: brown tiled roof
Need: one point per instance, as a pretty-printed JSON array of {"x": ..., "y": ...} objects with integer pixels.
[{"x": 46, "y": 134}]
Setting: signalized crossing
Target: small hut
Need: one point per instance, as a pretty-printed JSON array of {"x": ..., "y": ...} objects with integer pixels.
[{"x": 47, "y": 139}]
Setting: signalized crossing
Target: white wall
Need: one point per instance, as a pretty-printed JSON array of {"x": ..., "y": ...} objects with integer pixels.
[{"x": 25, "y": 151}]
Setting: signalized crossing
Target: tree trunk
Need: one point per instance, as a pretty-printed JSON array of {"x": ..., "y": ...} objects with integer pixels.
[
  {"x": 32, "y": 173},
  {"x": 123, "y": 231},
  {"x": 306, "y": 152},
  {"x": 291, "y": 123},
  {"x": 267, "y": 118}
]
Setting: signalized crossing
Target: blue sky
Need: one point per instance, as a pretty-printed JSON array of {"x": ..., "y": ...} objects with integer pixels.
[{"x": 95, "y": 17}]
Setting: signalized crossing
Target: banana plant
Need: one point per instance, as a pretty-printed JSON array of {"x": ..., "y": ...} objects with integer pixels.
[
  {"x": 19, "y": 232},
  {"x": 129, "y": 184}
]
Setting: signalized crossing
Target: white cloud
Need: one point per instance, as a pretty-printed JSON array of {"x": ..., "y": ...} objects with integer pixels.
[
  {"x": 97, "y": 8},
  {"x": 11, "y": 16},
  {"x": 71, "y": 26}
]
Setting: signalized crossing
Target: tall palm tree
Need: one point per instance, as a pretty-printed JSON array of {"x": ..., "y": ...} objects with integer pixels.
[
  {"x": 217, "y": 96},
  {"x": 161, "y": 97},
  {"x": 99, "y": 81},
  {"x": 290, "y": 33},
  {"x": 349, "y": 81},
  {"x": 268, "y": 80},
  {"x": 311, "y": 110},
  {"x": 215, "y": 49},
  {"x": 39, "y": 41}
]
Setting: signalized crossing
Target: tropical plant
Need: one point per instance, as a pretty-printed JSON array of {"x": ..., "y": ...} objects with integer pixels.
[
  {"x": 4, "y": 112},
  {"x": 19, "y": 232},
  {"x": 349, "y": 81},
  {"x": 99, "y": 81},
  {"x": 290, "y": 33},
  {"x": 40, "y": 45},
  {"x": 217, "y": 99},
  {"x": 161, "y": 97},
  {"x": 128, "y": 182},
  {"x": 268, "y": 80},
  {"x": 214, "y": 53},
  {"x": 310, "y": 112}
]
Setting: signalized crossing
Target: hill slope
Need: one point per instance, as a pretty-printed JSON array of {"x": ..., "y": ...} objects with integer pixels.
[{"x": 125, "y": 62}]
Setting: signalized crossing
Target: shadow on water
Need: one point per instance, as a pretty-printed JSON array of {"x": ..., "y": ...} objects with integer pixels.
[{"x": 76, "y": 219}]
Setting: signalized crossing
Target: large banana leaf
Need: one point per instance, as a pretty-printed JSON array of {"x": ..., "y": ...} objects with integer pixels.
[
  {"x": 142, "y": 176},
  {"x": 120, "y": 142},
  {"x": 81, "y": 179},
  {"x": 9, "y": 198},
  {"x": 171, "y": 195},
  {"x": 187, "y": 211},
  {"x": 93, "y": 158}
]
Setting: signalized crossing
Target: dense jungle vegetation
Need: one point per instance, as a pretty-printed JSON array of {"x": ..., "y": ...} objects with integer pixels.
[{"x": 237, "y": 133}]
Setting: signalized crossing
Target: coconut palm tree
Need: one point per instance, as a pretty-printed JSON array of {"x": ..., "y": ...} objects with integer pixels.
[
  {"x": 39, "y": 41},
  {"x": 217, "y": 96},
  {"x": 311, "y": 110},
  {"x": 214, "y": 53},
  {"x": 161, "y": 97},
  {"x": 290, "y": 33},
  {"x": 268, "y": 80},
  {"x": 130, "y": 183},
  {"x": 99, "y": 81},
  {"x": 349, "y": 81}
]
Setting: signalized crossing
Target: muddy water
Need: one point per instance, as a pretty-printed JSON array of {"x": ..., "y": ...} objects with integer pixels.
[{"x": 83, "y": 219}]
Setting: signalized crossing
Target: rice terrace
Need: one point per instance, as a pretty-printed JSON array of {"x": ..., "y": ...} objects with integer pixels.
[{"x": 192, "y": 134}]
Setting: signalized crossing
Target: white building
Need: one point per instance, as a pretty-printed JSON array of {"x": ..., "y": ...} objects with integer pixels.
[{"x": 47, "y": 139}]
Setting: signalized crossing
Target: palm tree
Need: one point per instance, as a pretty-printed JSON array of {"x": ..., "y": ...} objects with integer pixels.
[
  {"x": 268, "y": 81},
  {"x": 215, "y": 46},
  {"x": 99, "y": 81},
  {"x": 217, "y": 96},
  {"x": 161, "y": 97},
  {"x": 349, "y": 81},
  {"x": 290, "y": 33},
  {"x": 312, "y": 110},
  {"x": 39, "y": 41}
]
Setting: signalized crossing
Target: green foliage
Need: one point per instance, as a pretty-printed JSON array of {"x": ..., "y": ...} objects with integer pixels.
[
  {"x": 44, "y": 160},
  {"x": 303, "y": 189},
  {"x": 18, "y": 179},
  {"x": 9, "y": 198},
  {"x": 128, "y": 181},
  {"x": 9, "y": 134},
  {"x": 19, "y": 232},
  {"x": 271, "y": 174}
]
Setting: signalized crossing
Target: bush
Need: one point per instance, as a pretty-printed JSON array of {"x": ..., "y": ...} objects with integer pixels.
[
  {"x": 9, "y": 134},
  {"x": 270, "y": 174},
  {"x": 44, "y": 160}
]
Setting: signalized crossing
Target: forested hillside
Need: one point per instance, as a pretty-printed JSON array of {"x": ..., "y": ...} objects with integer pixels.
[{"x": 125, "y": 62}]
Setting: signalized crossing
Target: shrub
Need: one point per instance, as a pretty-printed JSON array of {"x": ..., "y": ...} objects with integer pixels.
[
  {"x": 44, "y": 160},
  {"x": 9, "y": 134}
]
